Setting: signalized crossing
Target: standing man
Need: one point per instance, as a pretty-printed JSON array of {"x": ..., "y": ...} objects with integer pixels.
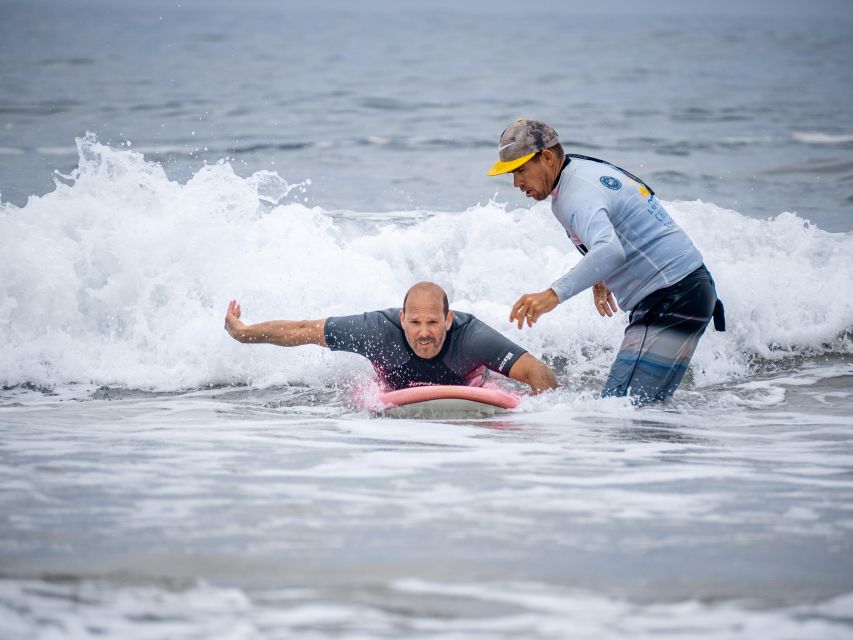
[
  {"x": 631, "y": 248},
  {"x": 424, "y": 342}
]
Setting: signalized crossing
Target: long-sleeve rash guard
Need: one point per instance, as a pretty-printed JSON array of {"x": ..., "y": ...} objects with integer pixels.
[{"x": 628, "y": 238}]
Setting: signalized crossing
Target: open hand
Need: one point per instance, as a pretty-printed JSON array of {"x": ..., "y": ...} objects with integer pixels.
[
  {"x": 604, "y": 301},
  {"x": 233, "y": 324},
  {"x": 531, "y": 306}
]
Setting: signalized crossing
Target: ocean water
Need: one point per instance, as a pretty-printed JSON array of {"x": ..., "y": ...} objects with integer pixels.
[{"x": 158, "y": 479}]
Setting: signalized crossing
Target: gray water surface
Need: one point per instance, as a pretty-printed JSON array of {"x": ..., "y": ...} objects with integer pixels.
[
  {"x": 397, "y": 106},
  {"x": 727, "y": 509}
]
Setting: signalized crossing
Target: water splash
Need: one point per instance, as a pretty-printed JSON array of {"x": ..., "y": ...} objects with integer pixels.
[{"x": 121, "y": 276}]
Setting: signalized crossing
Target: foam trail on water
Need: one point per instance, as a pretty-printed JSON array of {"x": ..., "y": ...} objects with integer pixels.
[
  {"x": 121, "y": 276},
  {"x": 819, "y": 137}
]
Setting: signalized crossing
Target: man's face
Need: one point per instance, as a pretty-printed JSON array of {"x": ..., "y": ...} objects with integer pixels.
[
  {"x": 425, "y": 324},
  {"x": 535, "y": 177}
]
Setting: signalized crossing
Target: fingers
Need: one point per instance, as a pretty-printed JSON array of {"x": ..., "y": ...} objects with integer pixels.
[
  {"x": 598, "y": 292},
  {"x": 232, "y": 314},
  {"x": 612, "y": 302},
  {"x": 528, "y": 308},
  {"x": 229, "y": 313},
  {"x": 518, "y": 311},
  {"x": 534, "y": 312},
  {"x": 599, "y": 301},
  {"x": 604, "y": 301}
]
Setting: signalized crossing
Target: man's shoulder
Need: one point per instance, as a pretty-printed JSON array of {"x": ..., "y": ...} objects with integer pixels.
[
  {"x": 467, "y": 325},
  {"x": 462, "y": 319},
  {"x": 580, "y": 191},
  {"x": 391, "y": 315},
  {"x": 384, "y": 321},
  {"x": 476, "y": 343},
  {"x": 369, "y": 333},
  {"x": 380, "y": 315},
  {"x": 593, "y": 177},
  {"x": 609, "y": 181}
]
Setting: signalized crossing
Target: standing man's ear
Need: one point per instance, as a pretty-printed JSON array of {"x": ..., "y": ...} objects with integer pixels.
[{"x": 448, "y": 321}]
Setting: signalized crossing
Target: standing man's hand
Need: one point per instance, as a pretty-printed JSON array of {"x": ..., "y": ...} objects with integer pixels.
[
  {"x": 605, "y": 303},
  {"x": 531, "y": 306}
]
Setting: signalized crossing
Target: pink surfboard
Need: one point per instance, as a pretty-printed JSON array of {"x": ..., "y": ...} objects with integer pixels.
[{"x": 446, "y": 400}]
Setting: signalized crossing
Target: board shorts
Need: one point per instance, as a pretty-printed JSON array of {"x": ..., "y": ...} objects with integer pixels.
[{"x": 663, "y": 331}]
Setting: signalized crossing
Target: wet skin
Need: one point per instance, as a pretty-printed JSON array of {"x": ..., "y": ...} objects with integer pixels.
[
  {"x": 535, "y": 178},
  {"x": 425, "y": 323}
]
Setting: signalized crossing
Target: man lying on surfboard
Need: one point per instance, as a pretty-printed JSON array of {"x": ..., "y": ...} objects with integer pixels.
[{"x": 422, "y": 343}]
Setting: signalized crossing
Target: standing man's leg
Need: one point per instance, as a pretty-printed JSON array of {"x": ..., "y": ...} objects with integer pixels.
[{"x": 660, "y": 340}]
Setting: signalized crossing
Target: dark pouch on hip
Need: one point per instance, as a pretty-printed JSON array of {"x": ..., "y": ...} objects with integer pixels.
[
  {"x": 719, "y": 316},
  {"x": 719, "y": 313}
]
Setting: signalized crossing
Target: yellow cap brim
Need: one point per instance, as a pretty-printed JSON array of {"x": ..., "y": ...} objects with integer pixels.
[{"x": 509, "y": 165}]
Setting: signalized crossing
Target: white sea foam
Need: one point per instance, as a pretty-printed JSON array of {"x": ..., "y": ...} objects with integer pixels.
[
  {"x": 817, "y": 137},
  {"x": 121, "y": 276},
  {"x": 55, "y": 151},
  {"x": 462, "y": 610}
]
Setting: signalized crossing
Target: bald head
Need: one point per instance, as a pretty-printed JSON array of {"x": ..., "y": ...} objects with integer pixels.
[
  {"x": 426, "y": 319},
  {"x": 427, "y": 293}
]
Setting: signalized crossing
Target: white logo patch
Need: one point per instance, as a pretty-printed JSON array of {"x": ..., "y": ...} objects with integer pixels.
[{"x": 506, "y": 359}]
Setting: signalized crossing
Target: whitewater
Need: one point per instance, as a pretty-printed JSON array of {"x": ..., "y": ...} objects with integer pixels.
[
  {"x": 161, "y": 480},
  {"x": 121, "y": 276}
]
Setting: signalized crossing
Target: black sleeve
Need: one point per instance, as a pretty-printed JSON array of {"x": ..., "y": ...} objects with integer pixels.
[
  {"x": 480, "y": 345},
  {"x": 371, "y": 334},
  {"x": 356, "y": 333}
]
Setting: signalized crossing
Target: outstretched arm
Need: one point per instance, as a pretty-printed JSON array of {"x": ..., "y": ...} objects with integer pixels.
[
  {"x": 285, "y": 333},
  {"x": 532, "y": 371}
]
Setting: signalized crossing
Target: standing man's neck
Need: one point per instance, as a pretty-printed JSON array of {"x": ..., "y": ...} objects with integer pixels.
[{"x": 563, "y": 163}]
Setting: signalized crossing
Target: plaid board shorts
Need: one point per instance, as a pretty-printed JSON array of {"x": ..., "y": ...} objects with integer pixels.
[{"x": 662, "y": 334}]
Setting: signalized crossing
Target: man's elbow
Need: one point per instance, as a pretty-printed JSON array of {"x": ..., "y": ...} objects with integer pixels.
[
  {"x": 544, "y": 380},
  {"x": 610, "y": 252},
  {"x": 535, "y": 373},
  {"x": 618, "y": 258}
]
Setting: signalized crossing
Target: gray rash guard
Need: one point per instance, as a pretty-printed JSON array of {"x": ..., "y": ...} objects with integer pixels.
[
  {"x": 628, "y": 238},
  {"x": 378, "y": 336}
]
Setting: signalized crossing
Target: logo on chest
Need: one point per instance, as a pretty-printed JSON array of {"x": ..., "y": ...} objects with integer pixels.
[{"x": 610, "y": 182}]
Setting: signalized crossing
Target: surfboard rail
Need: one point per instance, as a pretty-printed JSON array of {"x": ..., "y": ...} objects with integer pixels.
[{"x": 424, "y": 393}]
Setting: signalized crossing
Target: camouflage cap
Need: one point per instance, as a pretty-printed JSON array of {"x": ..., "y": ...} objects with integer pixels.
[{"x": 520, "y": 141}]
